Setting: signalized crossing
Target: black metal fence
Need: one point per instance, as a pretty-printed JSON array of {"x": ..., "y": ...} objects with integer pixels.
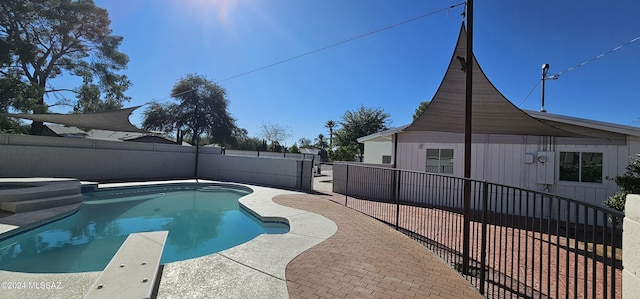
[{"x": 521, "y": 243}]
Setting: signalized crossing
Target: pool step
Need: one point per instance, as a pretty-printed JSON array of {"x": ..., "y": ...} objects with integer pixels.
[
  {"x": 31, "y": 194},
  {"x": 34, "y": 189},
  {"x": 133, "y": 270},
  {"x": 41, "y": 203}
]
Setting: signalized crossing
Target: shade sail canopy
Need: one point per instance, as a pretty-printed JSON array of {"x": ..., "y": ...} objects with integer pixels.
[
  {"x": 492, "y": 112},
  {"x": 111, "y": 120}
]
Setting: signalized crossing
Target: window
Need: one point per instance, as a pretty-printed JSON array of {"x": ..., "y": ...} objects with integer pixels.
[
  {"x": 386, "y": 159},
  {"x": 440, "y": 160},
  {"x": 581, "y": 167}
]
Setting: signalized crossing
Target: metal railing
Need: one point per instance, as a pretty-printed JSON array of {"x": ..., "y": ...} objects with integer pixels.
[{"x": 522, "y": 243}]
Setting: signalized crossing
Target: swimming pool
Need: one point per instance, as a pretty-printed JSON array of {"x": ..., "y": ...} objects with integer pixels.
[{"x": 201, "y": 220}]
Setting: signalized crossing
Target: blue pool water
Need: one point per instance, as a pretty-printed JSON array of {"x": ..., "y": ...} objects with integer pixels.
[{"x": 200, "y": 219}]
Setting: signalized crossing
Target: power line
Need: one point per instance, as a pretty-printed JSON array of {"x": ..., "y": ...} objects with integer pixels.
[
  {"x": 557, "y": 75},
  {"x": 342, "y": 42},
  {"x": 596, "y": 58},
  {"x": 530, "y": 92},
  {"x": 327, "y": 47}
]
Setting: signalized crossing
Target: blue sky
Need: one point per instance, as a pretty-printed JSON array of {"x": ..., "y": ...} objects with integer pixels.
[{"x": 393, "y": 70}]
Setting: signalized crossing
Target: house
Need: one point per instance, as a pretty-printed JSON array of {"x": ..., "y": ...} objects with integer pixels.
[
  {"x": 62, "y": 131},
  {"x": 559, "y": 154},
  {"x": 65, "y": 131},
  {"x": 378, "y": 148}
]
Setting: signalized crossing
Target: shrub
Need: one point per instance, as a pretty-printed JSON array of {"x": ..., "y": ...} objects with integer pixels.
[
  {"x": 345, "y": 153},
  {"x": 629, "y": 183}
]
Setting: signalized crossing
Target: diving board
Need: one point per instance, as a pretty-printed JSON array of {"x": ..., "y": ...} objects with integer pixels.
[{"x": 132, "y": 271}]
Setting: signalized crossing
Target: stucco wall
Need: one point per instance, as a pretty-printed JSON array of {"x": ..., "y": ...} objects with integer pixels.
[
  {"x": 288, "y": 173},
  {"x": 631, "y": 247},
  {"x": 87, "y": 159}
]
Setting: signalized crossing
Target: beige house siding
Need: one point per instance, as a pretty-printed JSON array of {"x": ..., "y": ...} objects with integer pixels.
[
  {"x": 512, "y": 160},
  {"x": 375, "y": 149}
]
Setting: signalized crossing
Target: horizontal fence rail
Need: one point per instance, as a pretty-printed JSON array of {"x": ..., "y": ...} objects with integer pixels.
[
  {"x": 265, "y": 154},
  {"x": 522, "y": 243}
]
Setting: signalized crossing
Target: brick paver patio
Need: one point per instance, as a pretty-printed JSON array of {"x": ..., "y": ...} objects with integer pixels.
[{"x": 367, "y": 259}]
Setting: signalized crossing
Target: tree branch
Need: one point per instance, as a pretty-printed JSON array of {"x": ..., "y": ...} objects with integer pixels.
[{"x": 61, "y": 89}]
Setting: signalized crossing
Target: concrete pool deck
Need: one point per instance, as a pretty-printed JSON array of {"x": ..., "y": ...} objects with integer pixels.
[{"x": 331, "y": 251}]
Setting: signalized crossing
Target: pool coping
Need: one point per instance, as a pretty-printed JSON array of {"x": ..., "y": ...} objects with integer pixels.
[{"x": 253, "y": 269}]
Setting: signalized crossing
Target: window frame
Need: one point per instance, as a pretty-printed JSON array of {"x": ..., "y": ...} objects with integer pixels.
[
  {"x": 440, "y": 165},
  {"x": 581, "y": 166}
]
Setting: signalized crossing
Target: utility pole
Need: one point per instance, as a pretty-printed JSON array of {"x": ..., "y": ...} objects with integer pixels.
[
  {"x": 545, "y": 69},
  {"x": 467, "y": 140},
  {"x": 545, "y": 77}
]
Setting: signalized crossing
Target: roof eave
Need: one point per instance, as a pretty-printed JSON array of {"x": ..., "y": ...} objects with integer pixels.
[{"x": 593, "y": 124}]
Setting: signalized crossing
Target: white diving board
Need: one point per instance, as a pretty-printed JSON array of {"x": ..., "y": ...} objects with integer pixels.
[{"x": 132, "y": 271}]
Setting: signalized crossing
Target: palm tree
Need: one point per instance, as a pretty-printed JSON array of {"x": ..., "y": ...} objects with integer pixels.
[
  {"x": 321, "y": 143},
  {"x": 330, "y": 124}
]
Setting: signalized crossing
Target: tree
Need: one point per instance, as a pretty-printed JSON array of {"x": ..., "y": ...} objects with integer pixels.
[
  {"x": 41, "y": 39},
  {"x": 163, "y": 118},
  {"x": 276, "y": 147},
  {"x": 345, "y": 153},
  {"x": 305, "y": 142},
  {"x": 321, "y": 143},
  {"x": 330, "y": 124},
  {"x": 274, "y": 132},
  {"x": 15, "y": 95},
  {"x": 201, "y": 109},
  {"x": 359, "y": 123},
  {"x": 629, "y": 183},
  {"x": 240, "y": 140},
  {"x": 421, "y": 108},
  {"x": 294, "y": 148}
]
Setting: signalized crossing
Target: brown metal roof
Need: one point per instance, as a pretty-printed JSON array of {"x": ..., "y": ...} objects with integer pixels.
[{"x": 492, "y": 112}]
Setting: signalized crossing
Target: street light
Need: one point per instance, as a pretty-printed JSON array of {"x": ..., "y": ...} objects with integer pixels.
[{"x": 545, "y": 70}]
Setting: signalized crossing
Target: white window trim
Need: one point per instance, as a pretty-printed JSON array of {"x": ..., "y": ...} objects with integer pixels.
[
  {"x": 581, "y": 150},
  {"x": 453, "y": 168}
]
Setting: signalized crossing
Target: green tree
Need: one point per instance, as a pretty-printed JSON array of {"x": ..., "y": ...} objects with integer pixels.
[
  {"x": 421, "y": 108},
  {"x": 201, "y": 109},
  {"x": 294, "y": 148},
  {"x": 163, "y": 118},
  {"x": 240, "y": 140},
  {"x": 345, "y": 153},
  {"x": 305, "y": 142},
  {"x": 359, "y": 123},
  {"x": 15, "y": 95},
  {"x": 321, "y": 142},
  {"x": 276, "y": 147},
  {"x": 42, "y": 39},
  {"x": 331, "y": 125},
  {"x": 629, "y": 183}
]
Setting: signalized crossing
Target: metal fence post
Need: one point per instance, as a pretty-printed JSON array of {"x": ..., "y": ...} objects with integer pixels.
[
  {"x": 483, "y": 235},
  {"x": 466, "y": 226},
  {"x": 302, "y": 173},
  {"x": 396, "y": 195},
  {"x": 346, "y": 186}
]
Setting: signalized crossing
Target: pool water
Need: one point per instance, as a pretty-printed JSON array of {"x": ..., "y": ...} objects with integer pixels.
[{"x": 200, "y": 220}]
